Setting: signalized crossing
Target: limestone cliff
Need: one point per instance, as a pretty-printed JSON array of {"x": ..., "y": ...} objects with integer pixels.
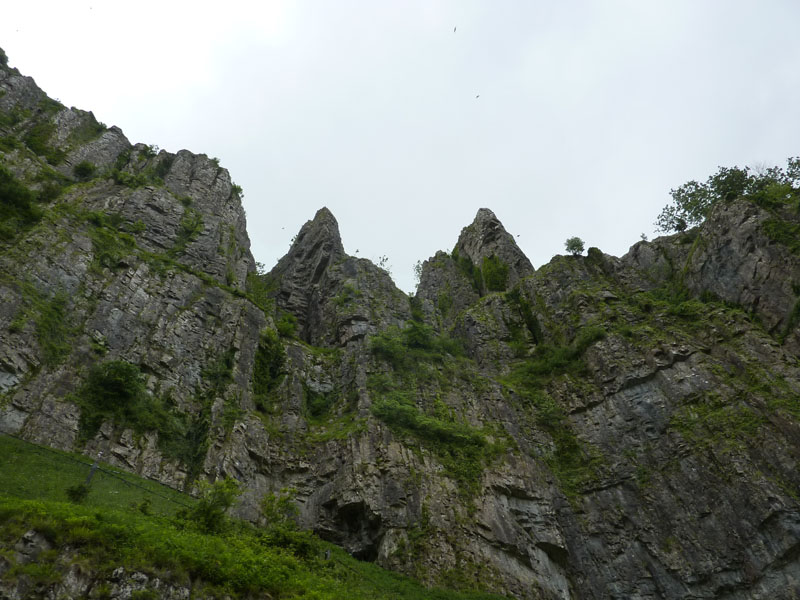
[{"x": 600, "y": 427}]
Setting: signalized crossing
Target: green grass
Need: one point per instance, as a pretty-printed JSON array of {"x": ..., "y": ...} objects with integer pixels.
[
  {"x": 260, "y": 290},
  {"x": 462, "y": 449},
  {"x": 103, "y": 534},
  {"x": 34, "y": 472}
]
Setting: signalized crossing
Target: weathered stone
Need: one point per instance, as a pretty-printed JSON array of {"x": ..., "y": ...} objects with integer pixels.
[{"x": 656, "y": 458}]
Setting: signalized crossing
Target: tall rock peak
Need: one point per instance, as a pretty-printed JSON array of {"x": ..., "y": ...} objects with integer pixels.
[
  {"x": 314, "y": 249},
  {"x": 327, "y": 291},
  {"x": 319, "y": 234},
  {"x": 486, "y": 237}
]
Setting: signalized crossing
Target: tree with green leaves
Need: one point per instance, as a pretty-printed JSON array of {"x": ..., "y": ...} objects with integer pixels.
[
  {"x": 574, "y": 246},
  {"x": 693, "y": 201}
]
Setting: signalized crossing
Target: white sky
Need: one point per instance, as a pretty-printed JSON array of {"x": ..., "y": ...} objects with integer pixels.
[{"x": 589, "y": 111}]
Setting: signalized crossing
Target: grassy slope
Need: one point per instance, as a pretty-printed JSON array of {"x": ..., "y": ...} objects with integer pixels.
[{"x": 108, "y": 533}]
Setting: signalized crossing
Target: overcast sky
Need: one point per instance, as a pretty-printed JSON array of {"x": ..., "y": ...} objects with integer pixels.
[{"x": 566, "y": 118}]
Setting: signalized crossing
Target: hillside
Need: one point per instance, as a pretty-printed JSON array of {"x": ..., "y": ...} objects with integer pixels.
[{"x": 600, "y": 427}]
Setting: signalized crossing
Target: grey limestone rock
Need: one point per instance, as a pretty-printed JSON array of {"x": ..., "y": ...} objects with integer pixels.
[
  {"x": 615, "y": 439},
  {"x": 487, "y": 237}
]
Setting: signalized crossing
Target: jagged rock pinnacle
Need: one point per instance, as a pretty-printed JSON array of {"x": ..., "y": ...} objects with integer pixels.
[
  {"x": 320, "y": 233},
  {"x": 316, "y": 246},
  {"x": 485, "y": 237}
]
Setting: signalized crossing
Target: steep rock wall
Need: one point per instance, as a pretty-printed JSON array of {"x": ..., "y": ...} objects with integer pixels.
[{"x": 597, "y": 428}]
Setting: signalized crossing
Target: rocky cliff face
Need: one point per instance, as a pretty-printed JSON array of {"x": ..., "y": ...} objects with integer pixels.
[{"x": 601, "y": 427}]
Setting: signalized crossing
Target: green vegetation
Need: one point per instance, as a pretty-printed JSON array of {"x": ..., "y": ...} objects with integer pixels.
[
  {"x": 37, "y": 140},
  {"x": 279, "y": 509},
  {"x": 115, "y": 391},
  {"x": 286, "y": 324},
  {"x": 244, "y": 562},
  {"x": 268, "y": 370},
  {"x": 239, "y": 561},
  {"x": 771, "y": 189},
  {"x": 35, "y": 472},
  {"x": 416, "y": 353},
  {"x": 404, "y": 349},
  {"x": 189, "y": 230},
  {"x": 714, "y": 420},
  {"x": 463, "y": 450},
  {"x": 495, "y": 273},
  {"x": 517, "y": 300},
  {"x": 469, "y": 270},
  {"x": 111, "y": 243},
  {"x": 347, "y": 295},
  {"x": 151, "y": 174},
  {"x": 415, "y": 345},
  {"x": 164, "y": 165},
  {"x": 259, "y": 289},
  {"x": 491, "y": 275},
  {"x": 219, "y": 373},
  {"x": 445, "y": 303},
  {"x": 209, "y": 513},
  {"x": 550, "y": 361},
  {"x": 84, "y": 170},
  {"x": 574, "y": 246},
  {"x": 570, "y": 461},
  {"x": 783, "y": 232},
  {"x": 77, "y": 493},
  {"x": 318, "y": 403},
  {"x": 51, "y": 184},
  {"x": 792, "y": 321},
  {"x": 17, "y": 208},
  {"x": 51, "y": 320},
  {"x": 128, "y": 179},
  {"x": 12, "y": 117},
  {"x": 53, "y": 331},
  {"x": 87, "y": 131}
]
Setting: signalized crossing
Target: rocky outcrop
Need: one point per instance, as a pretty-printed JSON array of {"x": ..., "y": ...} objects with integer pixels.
[
  {"x": 334, "y": 297},
  {"x": 734, "y": 258},
  {"x": 485, "y": 259},
  {"x": 486, "y": 237},
  {"x": 597, "y": 428},
  {"x": 74, "y": 580},
  {"x": 144, "y": 262}
]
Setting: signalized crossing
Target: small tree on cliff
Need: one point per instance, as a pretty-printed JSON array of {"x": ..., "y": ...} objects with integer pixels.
[{"x": 574, "y": 246}]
